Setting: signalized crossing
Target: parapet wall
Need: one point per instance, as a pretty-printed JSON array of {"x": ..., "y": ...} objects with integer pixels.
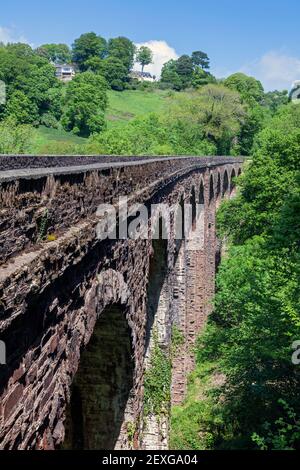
[{"x": 42, "y": 200}]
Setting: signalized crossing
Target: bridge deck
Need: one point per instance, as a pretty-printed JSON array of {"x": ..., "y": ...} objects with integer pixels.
[{"x": 26, "y": 166}]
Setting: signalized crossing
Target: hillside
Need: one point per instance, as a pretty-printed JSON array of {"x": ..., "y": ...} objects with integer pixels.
[
  {"x": 122, "y": 107},
  {"x": 131, "y": 103}
]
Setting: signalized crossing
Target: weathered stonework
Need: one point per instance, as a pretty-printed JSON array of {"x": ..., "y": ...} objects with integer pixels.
[{"x": 79, "y": 297}]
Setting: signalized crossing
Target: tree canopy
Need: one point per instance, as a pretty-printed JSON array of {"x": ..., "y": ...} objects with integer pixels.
[
  {"x": 86, "y": 47},
  {"x": 56, "y": 53},
  {"x": 250, "y": 89},
  {"x": 84, "y": 104},
  {"x": 144, "y": 56}
]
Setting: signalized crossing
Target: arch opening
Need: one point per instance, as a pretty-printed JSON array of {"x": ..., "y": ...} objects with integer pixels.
[
  {"x": 101, "y": 388},
  {"x": 225, "y": 184},
  {"x": 232, "y": 180},
  {"x": 157, "y": 293},
  {"x": 201, "y": 193},
  {"x": 211, "y": 189},
  {"x": 194, "y": 207},
  {"x": 219, "y": 185}
]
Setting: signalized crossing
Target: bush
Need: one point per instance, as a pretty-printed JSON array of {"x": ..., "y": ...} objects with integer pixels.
[{"x": 15, "y": 138}]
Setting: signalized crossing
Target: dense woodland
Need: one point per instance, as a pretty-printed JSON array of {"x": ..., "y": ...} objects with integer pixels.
[
  {"x": 201, "y": 115},
  {"x": 244, "y": 391}
]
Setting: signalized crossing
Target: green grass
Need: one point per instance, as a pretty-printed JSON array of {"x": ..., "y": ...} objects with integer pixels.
[
  {"x": 55, "y": 141},
  {"x": 126, "y": 105},
  {"x": 44, "y": 134},
  {"x": 123, "y": 107}
]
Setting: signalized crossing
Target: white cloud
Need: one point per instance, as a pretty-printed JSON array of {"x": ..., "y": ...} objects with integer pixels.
[
  {"x": 10, "y": 35},
  {"x": 275, "y": 69},
  {"x": 162, "y": 52}
]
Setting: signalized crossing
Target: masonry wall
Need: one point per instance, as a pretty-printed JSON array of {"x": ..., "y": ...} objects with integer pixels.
[{"x": 54, "y": 295}]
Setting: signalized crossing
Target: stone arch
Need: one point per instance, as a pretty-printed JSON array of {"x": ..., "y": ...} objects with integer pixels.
[
  {"x": 239, "y": 172},
  {"x": 101, "y": 388},
  {"x": 225, "y": 183},
  {"x": 232, "y": 180},
  {"x": 211, "y": 189}
]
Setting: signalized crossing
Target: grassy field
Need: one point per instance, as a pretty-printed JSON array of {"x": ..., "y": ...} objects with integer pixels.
[
  {"x": 48, "y": 140},
  {"x": 126, "y": 105},
  {"x": 122, "y": 107}
]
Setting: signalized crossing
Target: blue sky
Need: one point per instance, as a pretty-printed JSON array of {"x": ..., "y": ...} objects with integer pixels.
[{"x": 258, "y": 37}]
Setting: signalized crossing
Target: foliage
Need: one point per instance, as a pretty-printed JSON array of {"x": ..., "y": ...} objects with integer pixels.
[
  {"x": 200, "y": 59},
  {"x": 186, "y": 71},
  {"x": 144, "y": 56},
  {"x": 256, "y": 309},
  {"x": 85, "y": 104},
  {"x": 157, "y": 382},
  {"x": 285, "y": 434},
  {"x": 56, "y": 53},
  {"x": 201, "y": 78},
  {"x": 170, "y": 76},
  {"x": 273, "y": 100},
  {"x": 123, "y": 49},
  {"x": 216, "y": 111},
  {"x": 21, "y": 108},
  {"x": 152, "y": 135},
  {"x": 15, "y": 138},
  {"x": 269, "y": 179},
  {"x": 255, "y": 120},
  {"x": 197, "y": 424},
  {"x": 250, "y": 89},
  {"x": 115, "y": 72},
  {"x": 30, "y": 81},
  {"x": 177, "y": 340},
  {"x": 87, "y": 46}
]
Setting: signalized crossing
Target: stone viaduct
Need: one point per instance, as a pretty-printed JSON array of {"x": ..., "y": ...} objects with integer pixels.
[{"x": 80, "y": 316}]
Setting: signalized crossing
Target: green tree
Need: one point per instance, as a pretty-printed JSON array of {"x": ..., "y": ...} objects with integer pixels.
[
  {"x": 123, "y": 49},
  {"x": 185, "y": 69},
  {"x": 56, "y": 53},
  {"x": 255, "y": 120},
  {"x": 24, "y": 71},
  {"x": 115, "y": 72},
  {"x": 217, "y": 111},
  {"x": 15, "y": 138},
  {"x": 112, "y": 69},
  {"x": 275, "y": 99},
  {"x": 85, "y": 104},
  {"x": 144, "y": 56},
  {"x": 250, "y": 89},
  {"x": 170, "y": 77},
  {"x": 22, "y": 109},
  {"x": 87, "y": 46},
  {"x": 169, "y": 134},
  {"x": 20, "y": 50},
  {"x": 200, "y": 59},
  {"x": 200, "y": 77}
]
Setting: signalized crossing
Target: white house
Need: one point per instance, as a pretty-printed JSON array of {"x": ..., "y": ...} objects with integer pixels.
[
  {"x": 295, "y": 92},
  {"x": 65, "y": 72},
  {"x": 142, "y": 76}
]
